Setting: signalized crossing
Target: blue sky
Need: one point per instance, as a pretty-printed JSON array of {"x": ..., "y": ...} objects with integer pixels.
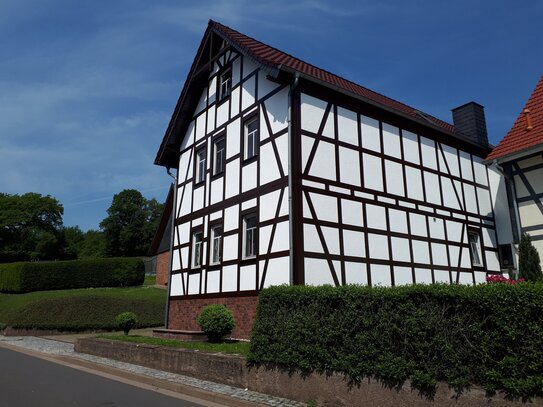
[{"x": 87, "y": 87}]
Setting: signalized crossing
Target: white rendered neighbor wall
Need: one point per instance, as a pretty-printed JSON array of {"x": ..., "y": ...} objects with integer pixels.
[
  {"x": 528, "y": 180},
  {"x": 385, "y": 206},
  {"x": 258, "y": 185}
]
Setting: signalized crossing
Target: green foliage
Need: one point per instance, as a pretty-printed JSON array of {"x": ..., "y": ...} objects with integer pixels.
[
  {"x": 30, "y": 227},
  {"x": 40, "y": 276},
  {"x": 529, "y": 262},
  {"x": 92, "y": 246},
  {"x": 488, "y": 335},
  {"x": 234, "y": 347},
  {"x": 126, "y": 321},
  {"x": 216, "y": 321},
  {"x": 82, "y": 309},
  {"x": 130, "y": 224}
]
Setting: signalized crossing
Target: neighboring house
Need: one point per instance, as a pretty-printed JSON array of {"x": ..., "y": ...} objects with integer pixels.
[
  {"x": 519, "y": 157},
  {"x": 288, "y": 174},
  {"x": 161, "y": 244}
]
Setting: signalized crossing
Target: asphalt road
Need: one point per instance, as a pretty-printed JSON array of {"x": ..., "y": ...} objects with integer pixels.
[{"x": 27, "y": 381}]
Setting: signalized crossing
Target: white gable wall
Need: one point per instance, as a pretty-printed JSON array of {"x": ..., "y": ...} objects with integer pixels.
[{"x": 258, "y": 185}]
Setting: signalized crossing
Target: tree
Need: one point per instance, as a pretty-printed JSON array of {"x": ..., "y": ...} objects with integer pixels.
[
  {"x": 130, "y": 224},
  {"x": 29, "y": 227},
  {"x": 529, "y": 262},
  {"x": 93, "y": 245}
]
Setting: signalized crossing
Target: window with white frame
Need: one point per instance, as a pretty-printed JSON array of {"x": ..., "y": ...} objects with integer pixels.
[
  {"x": 251, "y": 138},
  {"x": 250, "y": 236},
  {"x": 475, "y": 248},
  {"x": 216, "y": 244},
  {"x": 197, "y": 248},
  {"x": 219, "y": 155},
  {"x": 225, "y": 83},
  {"x": 200, "y": 166}
]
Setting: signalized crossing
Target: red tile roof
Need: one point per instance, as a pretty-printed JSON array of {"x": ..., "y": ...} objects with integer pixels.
[
  {"x": 519, "y": 137},
  {"x": 277, "y": 59}
]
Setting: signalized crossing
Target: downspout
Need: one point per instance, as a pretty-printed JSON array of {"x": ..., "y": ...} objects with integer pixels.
[
  {"x": 291, "y": 180},
  {"x": 172, "y": 234}
]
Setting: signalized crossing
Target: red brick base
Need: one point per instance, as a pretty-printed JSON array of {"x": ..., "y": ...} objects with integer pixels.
[
  {"x": 162, "y": 267},
  {"x": 183, "y": 313}
]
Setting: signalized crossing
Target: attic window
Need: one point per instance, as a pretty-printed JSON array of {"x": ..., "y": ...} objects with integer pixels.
[{"x": 225, "y": 83}]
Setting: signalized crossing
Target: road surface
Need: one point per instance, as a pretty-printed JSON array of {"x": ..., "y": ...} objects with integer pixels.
[{"x": 27, "y": 381}]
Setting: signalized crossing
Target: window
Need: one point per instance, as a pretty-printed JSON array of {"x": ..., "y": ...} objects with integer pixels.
[
  {"x": 475, "y": 248},
  {"x": 250, "y": 236},
  {"x": 216, "y": 244},
  {"x": 251, "y": 138},
  {"x": 197, "y": 249},
  {"x": 225, "y": 83},
  {"x": 200, "y": 166},
  {"x": 219, "y": 155}
]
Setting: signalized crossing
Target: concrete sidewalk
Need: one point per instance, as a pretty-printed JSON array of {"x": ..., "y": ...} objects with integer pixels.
[{"x": 60, "y": 348}]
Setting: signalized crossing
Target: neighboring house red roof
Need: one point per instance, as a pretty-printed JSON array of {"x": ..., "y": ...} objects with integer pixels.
[
  {"x": 275, "y": 58},
  {"x": 520, "y": 137}
]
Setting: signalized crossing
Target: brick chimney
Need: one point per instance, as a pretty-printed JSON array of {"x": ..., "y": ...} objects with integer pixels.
[{"x": 469, "y": 121}]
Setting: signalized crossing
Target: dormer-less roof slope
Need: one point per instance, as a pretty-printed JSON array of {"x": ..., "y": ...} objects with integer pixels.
[
  {"x": 276, "y": 61},
  {"x": 527, "y": 132}
]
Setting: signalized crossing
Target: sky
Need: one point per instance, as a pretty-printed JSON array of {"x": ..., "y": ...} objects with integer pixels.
[{"x": 87, "y": 88}]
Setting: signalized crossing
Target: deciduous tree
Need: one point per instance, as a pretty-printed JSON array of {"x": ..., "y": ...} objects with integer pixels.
[{"x": 130, "y": 224}]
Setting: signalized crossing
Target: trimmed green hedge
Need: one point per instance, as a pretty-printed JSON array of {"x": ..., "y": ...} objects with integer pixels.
[
  {"x": 85, "y": 313},
  {"x": 59, "y": 275},
  {"x": 489, "y": 335}
]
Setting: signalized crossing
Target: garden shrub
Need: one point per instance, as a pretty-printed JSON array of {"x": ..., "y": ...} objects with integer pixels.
[
  {"x": 59, "y": 275},
  {"x": 126, "y": 321},
  {"x": 529, "y": 261},
  {"x": 216, "y": 321},
  {"x": 489, "y": 335}
]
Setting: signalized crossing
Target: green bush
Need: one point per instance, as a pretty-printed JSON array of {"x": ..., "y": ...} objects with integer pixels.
[
  {"x": 59, "y": 275},
  {"x": 488, "y": 335},
  {"x": 126, "y": 321},
  {"x": 216, "y": 321},
  {"x": 529, "y": 261},
  {"x": 90, "y": 312}
]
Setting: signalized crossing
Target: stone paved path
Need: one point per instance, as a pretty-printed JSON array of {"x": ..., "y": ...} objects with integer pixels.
[{"x": 54, "y": 347}]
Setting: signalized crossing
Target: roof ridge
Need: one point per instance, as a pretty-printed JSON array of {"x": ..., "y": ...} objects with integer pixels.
[{"x": 433, "y": 120}]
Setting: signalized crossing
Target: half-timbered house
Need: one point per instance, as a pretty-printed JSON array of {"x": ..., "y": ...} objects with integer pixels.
[
  {"x": 288, "y": 174},
  {"x": 518, "y": 161}
]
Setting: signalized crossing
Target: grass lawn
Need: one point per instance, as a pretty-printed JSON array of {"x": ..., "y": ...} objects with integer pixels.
[
  {"x": 149, "y": 280},
  {"x": 236, "y": 347},
  {"x": 82, "y": 309}
]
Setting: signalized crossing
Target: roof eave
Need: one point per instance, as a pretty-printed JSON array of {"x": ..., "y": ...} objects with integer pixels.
[
  {"x": 382, "y": 106},
  {"x": 516, "y": 154}
]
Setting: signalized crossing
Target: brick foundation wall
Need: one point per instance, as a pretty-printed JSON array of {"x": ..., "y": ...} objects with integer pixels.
[
  {"x": 162, "y": 268},
  {"x": 183, "y": 313}
]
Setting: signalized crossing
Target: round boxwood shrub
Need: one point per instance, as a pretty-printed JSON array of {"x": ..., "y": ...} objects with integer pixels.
[
  {"x": 126, "y": 321},
  {"x": 216, "y": 321}
]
